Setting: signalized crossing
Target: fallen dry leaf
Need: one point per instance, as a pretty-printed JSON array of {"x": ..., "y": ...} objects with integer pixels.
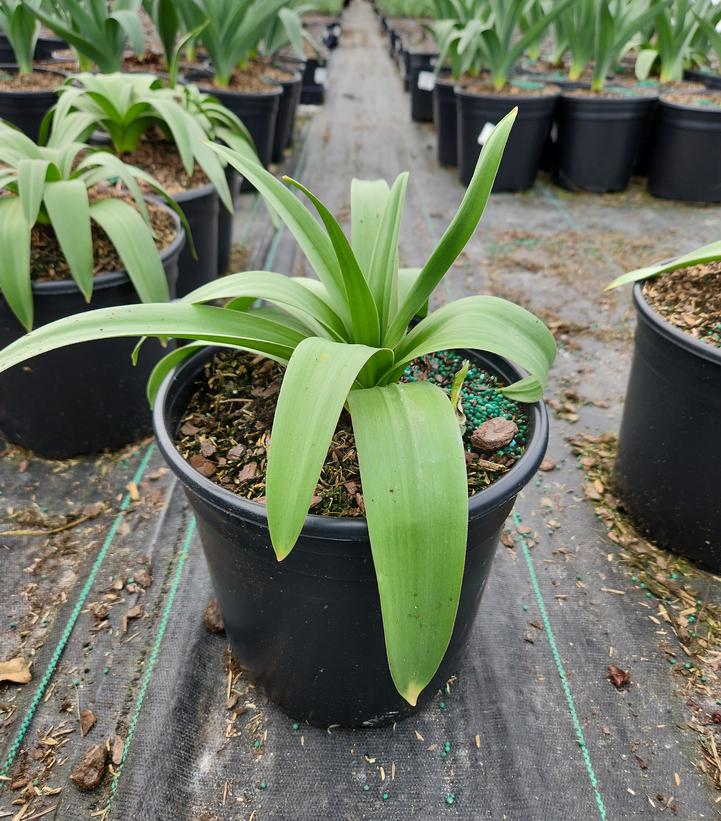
[
  {"x": 618, "y": 677},
  {"x": 15, "y": 670}
]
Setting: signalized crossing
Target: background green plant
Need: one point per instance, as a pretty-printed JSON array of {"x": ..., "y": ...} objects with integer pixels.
[{"x": 346, "y": 341}]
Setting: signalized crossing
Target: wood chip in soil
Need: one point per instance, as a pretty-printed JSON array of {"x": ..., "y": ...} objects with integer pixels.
[{"x": 161, "y": 159}]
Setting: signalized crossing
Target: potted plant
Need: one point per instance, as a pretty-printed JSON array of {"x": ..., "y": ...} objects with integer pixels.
[
  {"x": 495, "y": 43},
  {"x": 25, "y": 93},
  {"x": 600, "y": 128},
  {"x": 164, "y": 131},
  {"x": 76, "y": 233},
  {"x": 707, "y": 42},
  {"x": 232, "y": 38},
  {"x": 97, "y": 32},
  {"x": 346, "y": 342},
  {"x": 670, "y": 428}
]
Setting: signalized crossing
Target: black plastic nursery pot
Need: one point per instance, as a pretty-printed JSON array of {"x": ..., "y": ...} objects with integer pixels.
[
  {"x": 7, "y": 55},
  {"x": 259, "y": 113},
  {"x": 478, "y": 113},
  {"x": 225, "y": 220},
  {"x": 709, "y": 78},
  {"x": 83, "y": 398},
  {"x": 670, "y": 439},
  {"x": 308, "y": 630},
  {"x": 201, "y": 207},
  {"x": 598, "y": 140},
  {"x": 421, "y": 80},
  {"x": 287, "y": 109},
  {"x": 686, "y": 161},
  {"x": 26, "y": 109},
  {"x": 314, "y": 80},
  {"x": 445, "y": 120},
  {"x": 47, "y": 44}
]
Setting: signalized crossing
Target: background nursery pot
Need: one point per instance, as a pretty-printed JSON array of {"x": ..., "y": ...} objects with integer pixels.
[
  {"x": 670, "y": 439},
  {"x": 598, "y": 140},
  {"x": 201, "y": 207},
  {"x": 446, "y": 121},
  {"x": 308, "y": 630},
  {"x": 421, "y": 80},
  {"x": 225, "y": 220},
  {"x": 686, "y": 162},
  {"x": 26, "y": 109},
  {"x": 477, "y": 113},
  {"x": 314, "y": 79},
  {"x": 87, "y": 397},
  {"x": 287, "y": 108}
]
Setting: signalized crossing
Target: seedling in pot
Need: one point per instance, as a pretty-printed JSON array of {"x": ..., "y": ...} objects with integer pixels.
[
  {"x": 68, "y": 187},
  {"x": 20, "y": 26},
  {"x": 346, "y": 341},
  {"x": 129, "y": 106}
]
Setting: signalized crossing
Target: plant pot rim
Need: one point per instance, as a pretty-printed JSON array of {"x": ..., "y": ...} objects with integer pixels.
[
  {"x": 332, "y": 527},
  {"x": 595, "y": 98},
  {"x": 196, "y": 193},
  {"x": 15, "y": 68},
  {"x": 462, "y": 91},
  {"x": 714, "y": 112},
  {"x": 673, "y": 334},
  {"x": 110, "y": 279},
  {"x": 198, "y": 75}
]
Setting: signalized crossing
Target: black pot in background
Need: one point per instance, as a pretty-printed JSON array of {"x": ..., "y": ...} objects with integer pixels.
[
  {"x": 201, "y": 207},
  {"x": 47, "y": 44},
  {"x": 598, "y": 140},
  {"x": 670, "y": 440},
  {"x": 226, "y": 219},
  {"x": 708, "y": 78},
  {"x": 26, "y": 109},
  {"x": 420, "y": 82},
  {"x": 445, "y": 119},
  {"x": 404, "y": 66},
  {"x": 646, "y": 141},
  {"x": 287, "y": 108},
  {"x": 686, "y": 162},
  {"x": 314, "y": 80},
  {"x": 308, "y": 630},
  {"x": 477, "y": 112},
  {"x": 7, "y": 55},
  {"x": 87, "y": 397}
]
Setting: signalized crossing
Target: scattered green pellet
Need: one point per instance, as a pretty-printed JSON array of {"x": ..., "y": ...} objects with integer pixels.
[
  {"x": 256, "y": 743},
  {"x": 296, "y": 725},
  {"x": 450, "y": 798},
  {"x": 366, "y": 787},
  {"x": 386, "y": 795},
  {"x": 263, "y": 785},
  {"x": 442, "y": 705}
]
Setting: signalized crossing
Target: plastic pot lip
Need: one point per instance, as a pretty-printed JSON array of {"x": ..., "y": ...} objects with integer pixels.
[
  {"x": 526, "y": 99},
  {"x": 670, "y": 332},
  {"x": 631, "y": 101},
  {"x": 332, "y": 528},
  {"x": 198, "y": 75},
  {"x": 110, "y": 279},
  {"x": 706, "y": 111},
  {"x": 196, "y": 193}
]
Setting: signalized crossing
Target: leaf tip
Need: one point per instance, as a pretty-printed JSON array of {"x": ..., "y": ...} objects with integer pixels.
[{"x": 411, "y": 693}]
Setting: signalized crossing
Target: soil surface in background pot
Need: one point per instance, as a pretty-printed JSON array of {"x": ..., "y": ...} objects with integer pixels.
[
  {"x": 35, "y": 81},
  {"x": 267, "y": 71},
  {"x": 47, "y": 261},
  {"x": 162, "y": 160},
  {"x": 690, "y": 299},
  {"x": 700, "y": 99},
  {"x": 613, "y": 92},
  {"x": 247, "y": 81},
  {"x": 151, "y": 62},
  {"x": 516, "y": 88},
  {"x": 226, "y": 430}
]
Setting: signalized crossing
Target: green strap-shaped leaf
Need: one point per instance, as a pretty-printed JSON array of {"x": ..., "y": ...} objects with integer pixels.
[
  {"x": 707, "y": 253},
  {"x": 134, "y": 242},
  {"x": 484, "y": 323},
  {"x": 31, "y": 186},
  {"x": 415, "y": 491},
  {"x": 170, "y": 319},
  {"x": 458, "y": 232},
  {"x": 406, "y": 280},
  {"x": 315, "y": 387},
  {"x": 69, "y": 211},
  {"x": 15, "y": 260},
  {"x": 368, "y": 200},
  {"x": 382, "y": 273},
  {"x": 309, "y": 235},
  {"x": 363, "y": 311},
  {"x": 276, "y": 288}
]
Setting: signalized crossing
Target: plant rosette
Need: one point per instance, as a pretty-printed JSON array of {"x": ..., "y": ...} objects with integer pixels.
[
  {"x": 686, "y": 163},
  {"x": 346, "y": 342},
  {"x": 600, "y": 134},
  {"x": 675, "y": 387}
]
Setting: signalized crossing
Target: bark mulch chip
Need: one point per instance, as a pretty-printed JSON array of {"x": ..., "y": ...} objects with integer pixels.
[{"x": 690, "y": 299}]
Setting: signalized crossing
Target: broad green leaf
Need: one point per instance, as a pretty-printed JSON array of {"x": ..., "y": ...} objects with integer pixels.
[
  {"x": 15, "y": 260},
  {"x": 363, "y": 311},
  {"x": 415, "y": 491},
  {"x": 460, "y": 230},
  {"x": 368, "y": 202},
  {"x": 276, "y": 288},
  {"x": 132, "y": 239},
  {"x": 309, "y": 235},
  {"x": 67, "y": 205},
  {"x": 170, "y": 319},
  {"x": 31, "y": 186},
  {"x": 707, "y": 253},
  {"x": 382, "y": 273},
  {"x": 484, "y": 323},
  {"x": 644, "y": 62},
  {"x": 315, "y": 387},
  {"x": 406, "y": 280}
]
